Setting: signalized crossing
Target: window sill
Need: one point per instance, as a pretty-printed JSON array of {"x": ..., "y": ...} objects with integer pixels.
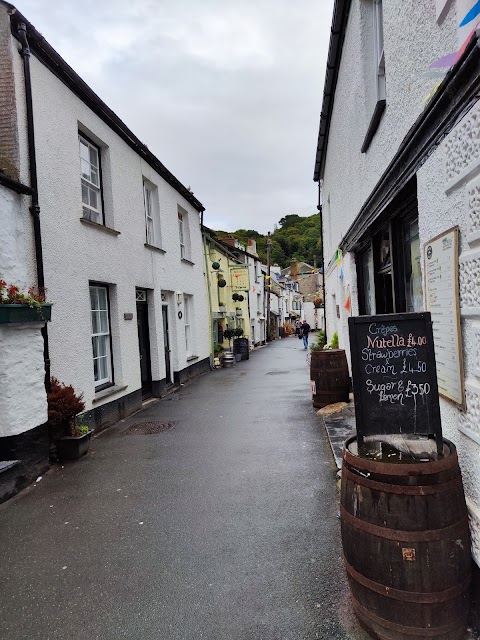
[
  {"x": 154, "y": 248},
  {"x": 188, "y": 261},
  {"x": 373, "y": 126},
  {"x": 190, "y": 358},
  {"x": 109, "y": 391},
  {"x": 100, "y": 227}
]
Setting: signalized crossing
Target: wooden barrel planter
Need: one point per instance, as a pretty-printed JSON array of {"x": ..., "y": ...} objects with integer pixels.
[
  {"x": 329, "y": 372},
  {"x": 242, "y": 346},
  {"x": 406, "y": 546}
]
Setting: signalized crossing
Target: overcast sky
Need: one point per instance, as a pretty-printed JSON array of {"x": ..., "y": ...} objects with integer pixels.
[{"x": 226, "y": 93}]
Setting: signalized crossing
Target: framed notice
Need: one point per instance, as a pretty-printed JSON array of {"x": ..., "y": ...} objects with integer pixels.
[
  {"x": 442, "y": 300},
  {"x": 240, "y": 280},
  {"x": 394, "y": 375}
]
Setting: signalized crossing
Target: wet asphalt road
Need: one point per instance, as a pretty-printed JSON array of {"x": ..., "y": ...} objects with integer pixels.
[{"x": 223, "y": 527}]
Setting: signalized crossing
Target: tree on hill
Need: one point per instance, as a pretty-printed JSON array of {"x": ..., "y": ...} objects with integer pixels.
[{"x": 296, "y": 237}]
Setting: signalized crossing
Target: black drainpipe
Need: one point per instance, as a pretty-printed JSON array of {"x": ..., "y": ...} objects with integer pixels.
[
  {"x": 322, "y": 259},
  {"x": 35, "y": 208}
]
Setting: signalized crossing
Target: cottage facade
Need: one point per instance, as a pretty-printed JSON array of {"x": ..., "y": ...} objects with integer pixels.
[
  {"x": 120, "y": 236},
  {"x": 397, "y": 165}
]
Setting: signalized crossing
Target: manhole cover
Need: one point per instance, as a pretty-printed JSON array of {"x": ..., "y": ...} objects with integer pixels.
[
  {"x": 147, "y": 428},
  {"x": 276, "y": 373}
]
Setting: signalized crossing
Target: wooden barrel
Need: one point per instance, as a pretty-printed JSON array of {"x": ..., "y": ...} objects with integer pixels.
[
  {"x": 329, "y": 377},
  {"x": 242, "y": 346},
  {"x": 406, "y": 546}
]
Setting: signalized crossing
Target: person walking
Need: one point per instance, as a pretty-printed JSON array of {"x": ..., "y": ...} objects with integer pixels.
[{"x": 305, "y": 328}]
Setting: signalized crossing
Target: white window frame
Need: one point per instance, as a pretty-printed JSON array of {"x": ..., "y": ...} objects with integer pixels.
[
  {"x": 379, "y": 53},
  {"x": 94, "y": 214},
  {"x": 149, "y": 214},
  {"x": 187, "y": 315},
  {"x": 153, "y": 232},
  {"x": 181, "y": 233},
  {"x": 106, "y": 335}
]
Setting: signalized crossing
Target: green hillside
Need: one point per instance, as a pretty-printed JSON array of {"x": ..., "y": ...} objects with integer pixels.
[{"x": 295, "y": 238}]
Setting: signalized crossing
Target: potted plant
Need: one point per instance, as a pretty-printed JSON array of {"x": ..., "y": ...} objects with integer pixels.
[
  {"x": 229, "y": 334},
  {"x": 222, "y": 308},
  {"x": 16, "y": 306},
  {"x": 319, "y": 345},
  {"x": 329, "y": 374},
  {"x": 71, "y": 437},
  {"x": 238, "y": 312}
]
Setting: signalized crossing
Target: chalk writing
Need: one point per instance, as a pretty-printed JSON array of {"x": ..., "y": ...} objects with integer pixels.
[{"x": 394, "y": 376}]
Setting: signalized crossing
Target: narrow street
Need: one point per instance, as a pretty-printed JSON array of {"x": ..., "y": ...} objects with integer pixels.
[{"x": 223, "y": 527}]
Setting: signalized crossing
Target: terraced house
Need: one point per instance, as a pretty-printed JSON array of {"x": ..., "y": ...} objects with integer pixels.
[
  {"x": 398, "y": 168},
  {"x": 115, "y": 237}
]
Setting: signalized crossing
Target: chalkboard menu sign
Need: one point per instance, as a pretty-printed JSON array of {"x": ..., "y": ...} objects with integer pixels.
[{"x": 394, "y": 375}]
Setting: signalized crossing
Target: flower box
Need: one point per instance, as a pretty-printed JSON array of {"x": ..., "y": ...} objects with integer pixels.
[
  {"x": 17, "y": 313},
  {"x": 73, "y": 447}
]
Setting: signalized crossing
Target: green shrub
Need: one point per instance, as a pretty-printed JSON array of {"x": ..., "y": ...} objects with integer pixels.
[{"x": 334, "y": 341}]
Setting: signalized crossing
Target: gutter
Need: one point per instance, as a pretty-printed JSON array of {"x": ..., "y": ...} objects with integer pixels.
[
  {"x": 57, "y": 65},
  {"x": 341, "y": 12},
  {"x": 32, "y": 164},
  {"x": 14, "y": 185}
]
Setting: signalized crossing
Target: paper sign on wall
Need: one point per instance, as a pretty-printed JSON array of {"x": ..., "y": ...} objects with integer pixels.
[{"x": 442, "y": 300}]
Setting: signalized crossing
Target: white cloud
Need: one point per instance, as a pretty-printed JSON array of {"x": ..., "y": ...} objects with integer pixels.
[{"x": 227, "y": 93}]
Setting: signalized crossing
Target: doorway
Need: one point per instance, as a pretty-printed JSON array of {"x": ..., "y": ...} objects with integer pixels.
[
  {"x": 144, "y": 343},
  {"x": 166, "y": 342}
]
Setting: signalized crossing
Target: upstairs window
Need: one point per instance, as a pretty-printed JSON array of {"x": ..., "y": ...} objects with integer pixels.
[
  {"x": 184, "y": 234},
  {"x": 152, "y": 214},
  {"x": 374, "y": 68},
  {"x": 181, "y": 231},
  {"x": 90, "y": 173},
  {"x": 379, "y": 58}
]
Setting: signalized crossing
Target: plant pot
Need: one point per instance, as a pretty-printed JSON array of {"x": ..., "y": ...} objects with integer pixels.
[
  {"x": 18, "y": 313},
  {"x": 239, "y": 314},
  {"x": 73, "y": 448},
  {"x": 222, "y": 308}
]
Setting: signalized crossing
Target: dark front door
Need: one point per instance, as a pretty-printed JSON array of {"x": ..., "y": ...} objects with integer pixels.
[
  {"x": 166, "y": 342},
  {"x": 144, "y": 348}
]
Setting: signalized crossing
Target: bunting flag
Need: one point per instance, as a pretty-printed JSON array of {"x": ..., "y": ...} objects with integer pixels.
[
  {"x": 340, "y": 275},
  {"x": 348, "y": 304}
]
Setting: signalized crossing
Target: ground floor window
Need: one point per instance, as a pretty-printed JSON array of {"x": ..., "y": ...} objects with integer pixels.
[{"x": 101, "y": 346}]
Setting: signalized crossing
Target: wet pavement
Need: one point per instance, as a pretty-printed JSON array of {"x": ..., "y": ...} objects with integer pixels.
[{"x": 222, "y": 527}]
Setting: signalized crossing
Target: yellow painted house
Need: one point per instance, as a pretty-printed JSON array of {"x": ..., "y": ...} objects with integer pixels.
[{"x": 226, "y": 278}]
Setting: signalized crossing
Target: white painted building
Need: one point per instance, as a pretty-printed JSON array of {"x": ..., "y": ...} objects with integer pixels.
[
  {"x": 397, "y": 164},
  {"x": 256, "y": 295},
  {"x": 121, "y": 238}
]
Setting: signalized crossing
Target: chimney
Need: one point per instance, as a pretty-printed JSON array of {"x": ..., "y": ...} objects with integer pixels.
[
  {"x": 228, "y": 240},
  {"x": 252, "y": 247},
  {"x": 293, "y": 269}
]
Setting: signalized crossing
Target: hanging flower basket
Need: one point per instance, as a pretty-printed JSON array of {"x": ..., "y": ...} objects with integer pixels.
[
  {"x": 222, "y": 283},
  {"x": 18, "y": 313}
]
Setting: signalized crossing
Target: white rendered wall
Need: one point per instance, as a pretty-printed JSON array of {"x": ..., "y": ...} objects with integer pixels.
[
  {"x": 412, "y": 41},
  {"x": 23, "y": 401},
  {"x": 448, "y": 194},
  {"x": 256, "y": 303},
  {"x": 76, "y": 253}
]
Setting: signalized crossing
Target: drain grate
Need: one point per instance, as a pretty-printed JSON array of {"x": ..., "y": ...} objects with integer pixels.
[
  {"x": 276, "y": 373},
  {"x": 148, "y": 428}
]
